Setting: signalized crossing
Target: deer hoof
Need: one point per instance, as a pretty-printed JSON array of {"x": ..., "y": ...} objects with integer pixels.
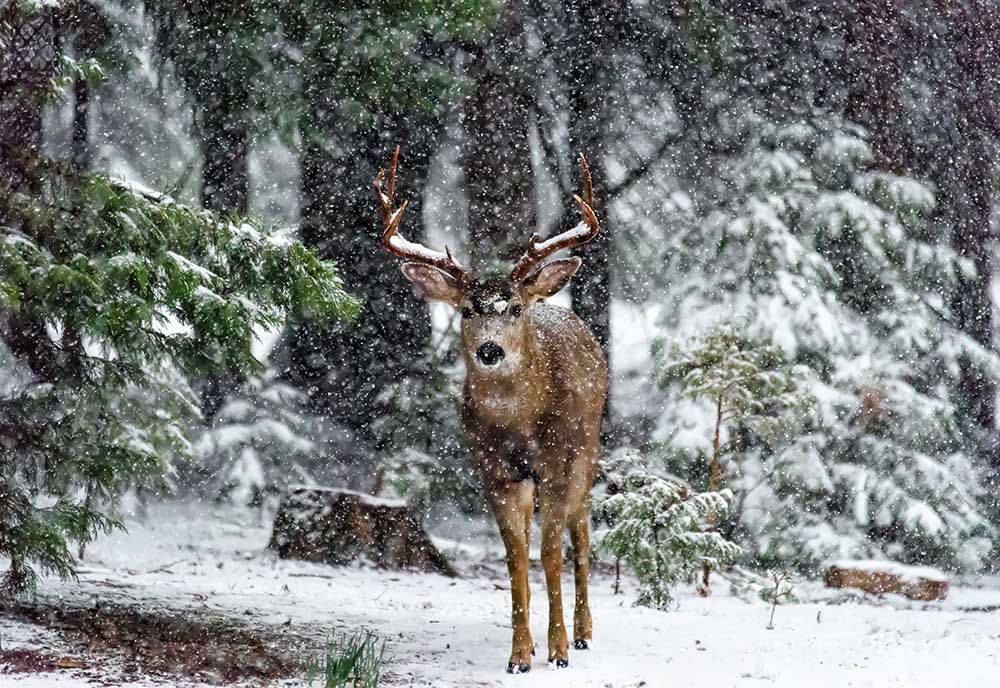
[
  {"x": 518, "y": 668},
  {"x": 581, "y": 644},
  {"x": 561, "y": 663}
]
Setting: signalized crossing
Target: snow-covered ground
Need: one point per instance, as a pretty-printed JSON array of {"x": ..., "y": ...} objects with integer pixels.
[{"x": 443, "y": 632}]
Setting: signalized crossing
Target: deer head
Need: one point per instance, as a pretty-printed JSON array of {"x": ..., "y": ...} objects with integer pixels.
[{"x": 495, "y": 309}]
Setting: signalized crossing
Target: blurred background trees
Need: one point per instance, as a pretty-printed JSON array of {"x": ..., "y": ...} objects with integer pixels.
[{"x": 822, "y": 176}]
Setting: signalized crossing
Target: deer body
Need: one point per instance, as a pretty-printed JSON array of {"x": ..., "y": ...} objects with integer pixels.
[
  {"x": 534, "y": 394},
  {"x": 539, "y": 434}
]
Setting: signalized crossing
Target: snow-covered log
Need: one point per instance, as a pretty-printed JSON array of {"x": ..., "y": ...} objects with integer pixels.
[
  {"x": 878, "y": 577},
  {"x": 335, "y": 526}
]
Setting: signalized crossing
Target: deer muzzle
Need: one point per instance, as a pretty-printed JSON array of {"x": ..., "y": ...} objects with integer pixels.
[{"x": 490, "y": 353}]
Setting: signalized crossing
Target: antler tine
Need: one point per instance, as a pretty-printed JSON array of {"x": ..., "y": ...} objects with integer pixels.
[
  {"x": 392, "y": 173},
  {"x": 397, "y": 244},
  {"x": 584, "y": 232},
  {"x": 588, "y": 181}
]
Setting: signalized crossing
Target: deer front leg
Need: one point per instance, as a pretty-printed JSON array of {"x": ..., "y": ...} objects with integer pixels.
[
  {"x": 512, "y": 503},
  {"x": 579, "y": 533},
  {"x": 553, "y": 513}
]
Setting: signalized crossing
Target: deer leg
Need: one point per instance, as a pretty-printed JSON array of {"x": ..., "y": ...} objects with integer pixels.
[
  {"x": 579, "y": 533},
  {"x": 508, "y": 503},
  {"x": 553, "y": 512},
  {"x": 529, "y": 514}
]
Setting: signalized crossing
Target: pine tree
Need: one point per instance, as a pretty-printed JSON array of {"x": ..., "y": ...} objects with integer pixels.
[
  {"x": 830, "y": 259},
  {"x": 126, "y": 287},
  {"x": 658, "y": 528},
  {"x": 748, "y": 386},
  {"x": 261, "y": 440},
  {"x": 110, "y": 297}
]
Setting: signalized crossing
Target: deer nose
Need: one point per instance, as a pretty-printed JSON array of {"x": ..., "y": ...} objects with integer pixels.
[{"x": 490, "y": 353}]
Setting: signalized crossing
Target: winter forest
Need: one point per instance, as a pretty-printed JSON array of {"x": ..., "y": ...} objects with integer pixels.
[{"x": 332, "y": 331}]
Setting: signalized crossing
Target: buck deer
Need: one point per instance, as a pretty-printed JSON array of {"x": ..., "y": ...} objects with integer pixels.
[{"x": 533, "y": 400}]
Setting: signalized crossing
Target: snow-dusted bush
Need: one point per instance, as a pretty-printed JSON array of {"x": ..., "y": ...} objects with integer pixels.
[
  {"x": 832, "y": 262},
  {"x": 261, "y": 440},
  {"x": 658, "y": 527}
]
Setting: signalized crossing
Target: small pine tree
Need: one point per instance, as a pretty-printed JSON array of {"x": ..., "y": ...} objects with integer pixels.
[
  {"x": 748, "y": 384},
  {"x": 658, "y": 528}
]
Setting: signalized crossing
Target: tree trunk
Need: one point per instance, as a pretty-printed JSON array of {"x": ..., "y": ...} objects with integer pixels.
[
  {"x": 81, "y": 124},
  {"x": 346, "y": 369},
  {"x": 965, "y": 202},
  {"x": 874, "y": 55},
  {"x": 225, "y": 143},
  {"x": 26, "y": 67},
  {"x": 499, "y": 183},
  {"x": 223, "y": 108},
  {"x": 583, "y": 55}
]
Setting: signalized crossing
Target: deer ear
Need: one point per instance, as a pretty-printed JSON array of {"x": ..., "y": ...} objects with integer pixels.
[
  {"x": 433, "y": 284},
  {"x": 550, "y": 278}
]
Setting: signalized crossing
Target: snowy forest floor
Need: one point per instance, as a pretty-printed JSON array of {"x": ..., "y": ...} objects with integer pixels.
[{"x": 190, "y": 596}]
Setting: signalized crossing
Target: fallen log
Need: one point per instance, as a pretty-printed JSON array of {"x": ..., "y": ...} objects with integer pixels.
[
  {"x": 878, "y": 577},
  {"x": 334, "y": 526}
]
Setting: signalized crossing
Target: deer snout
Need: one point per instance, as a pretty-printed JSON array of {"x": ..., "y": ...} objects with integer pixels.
[{"x": 490, "y": 353}]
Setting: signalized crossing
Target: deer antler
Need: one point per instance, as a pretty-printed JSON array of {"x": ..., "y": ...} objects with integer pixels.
[
  {"x": 539, "y": 250},
  {"x": 398, "y": 245}
]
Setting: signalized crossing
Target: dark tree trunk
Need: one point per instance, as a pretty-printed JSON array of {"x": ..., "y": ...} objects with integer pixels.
[
  {"x": 345, "y": 369},
  {"x": 583, "y": 55},
  {"x": 966, "y": 170},
  {"x": 81, "y": 124},
  {"x": 26, "y": 67},
  {"x": 225, "y": 143},
  {"x": 222, "y": 104},
  {"x": 874, "y": 55},
  {"x": 225, "y": 183},
  {"x": 966, "y": 205},
  {"x": 499, "y": 183}
]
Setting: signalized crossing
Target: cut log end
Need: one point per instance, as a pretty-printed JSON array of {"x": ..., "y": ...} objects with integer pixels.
[
  {"x": 333, "y": 526},
  {"x": 880, "y": 577}
]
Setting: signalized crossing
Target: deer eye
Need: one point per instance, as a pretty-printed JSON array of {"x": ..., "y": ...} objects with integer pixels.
[
  {"x": 516, "y": 310},
  {"x": 467, "y": 312}
]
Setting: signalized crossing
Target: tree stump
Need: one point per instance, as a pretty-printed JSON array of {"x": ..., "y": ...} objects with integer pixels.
[
  {"x": 878, "y": 577},
  {"x": 334, "y": 526}
]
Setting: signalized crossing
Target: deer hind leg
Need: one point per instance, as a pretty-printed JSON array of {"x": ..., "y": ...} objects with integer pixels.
[
  {"x": 579, "y": 533},
  {"x": 512, "y": 503},
  {"x": 553, "y": 513}
]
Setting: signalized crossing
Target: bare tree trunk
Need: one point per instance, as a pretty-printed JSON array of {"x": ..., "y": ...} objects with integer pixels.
[
  {"x": 583, "y": 57},
  {"x": 26, "y": 66},
  {"x": 223, "y": 106},
  {"x": 499, "y": 184},
  {"x": 966, "y": 203},
  {"x": 81, "y": 124},
  {"x": 345, "y": 369},
  {"x": 225, "y": 144}
]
